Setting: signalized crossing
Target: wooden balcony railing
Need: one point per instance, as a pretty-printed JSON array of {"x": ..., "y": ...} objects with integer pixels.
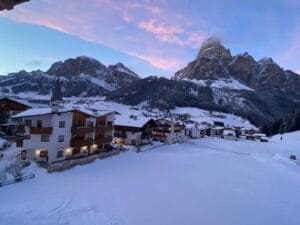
[
  {"x": 103, "y": 128},
  {"x": 82, "y": 130},
  {"x": 41, "y": 130},
  {"x": 80, "y": 143},
  {"x": 103, "y": 140},
  {"x": 162, "y": 129}
]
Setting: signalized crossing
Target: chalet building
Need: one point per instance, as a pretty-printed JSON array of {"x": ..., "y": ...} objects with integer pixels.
[
  {"x": 168, "y": 131},
  {"x": 10, "y": 4},
  {"x": 229, "y": 134},
  {"x": 54, "y": 134},
  {"x": 133, "y": 131},
  {"x": 195, "y": 131},
  {"x": 8, "y": 108}
]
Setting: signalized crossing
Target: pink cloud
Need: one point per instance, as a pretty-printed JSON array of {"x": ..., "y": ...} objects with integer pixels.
[
  {"x": 290, "y": 57},
  {"x": 127, "y": 26},
  {"x": 163, "y": 32},
  {"x": 195, "y": 39},
  {"x": 172, "y": 33},
  {"x": 161, "y": 62}
]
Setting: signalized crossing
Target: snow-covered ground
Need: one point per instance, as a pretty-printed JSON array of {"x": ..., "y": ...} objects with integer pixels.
[
  {"x": 200, "y": 115},
  {"x": 207, "y": 181}
]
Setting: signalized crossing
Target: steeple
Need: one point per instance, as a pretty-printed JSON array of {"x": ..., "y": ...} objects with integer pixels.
[{"x": 56, "y": 97}]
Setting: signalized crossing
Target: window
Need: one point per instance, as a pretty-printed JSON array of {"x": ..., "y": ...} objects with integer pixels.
[
  {"x": 90, "y": 123},
  {"x": 39, "y": 123},
  {"x": 60, "y": 154},
  {"x": 62, "y": 124},
  {"x": 44, "y": 138},
  {"x": 61, "y": 138},
  {"x": 28, "y": 123},
  {"x": 109, "y": 123}
]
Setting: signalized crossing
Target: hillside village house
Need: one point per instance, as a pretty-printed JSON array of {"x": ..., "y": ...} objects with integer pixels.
[
  {"x": 8, "y": 108},
  {"x": 133, "y": 131},
  {"x": 54, "y": 134},
  {"x": 195, "y": 130},
  {"x": 168, "y": 131},
  {"x": 229, "y": 133}
]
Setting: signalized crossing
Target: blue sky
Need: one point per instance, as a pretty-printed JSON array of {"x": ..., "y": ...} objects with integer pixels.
[{"x": 155, "y": 37}]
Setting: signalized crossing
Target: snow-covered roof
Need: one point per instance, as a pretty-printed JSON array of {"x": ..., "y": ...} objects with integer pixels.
[
  {"x": 125, "y": 120},
  {"x": 48, "y": 110},
  {"x": 228, "y": 132},
  {"x": 20, "y": 101}
]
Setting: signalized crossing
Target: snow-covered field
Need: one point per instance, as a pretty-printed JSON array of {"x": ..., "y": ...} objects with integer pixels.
[{"x": 207, "y": 181}]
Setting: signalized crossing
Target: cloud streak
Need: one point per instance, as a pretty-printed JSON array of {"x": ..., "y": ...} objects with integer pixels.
[{"x": 133, "y": 26}]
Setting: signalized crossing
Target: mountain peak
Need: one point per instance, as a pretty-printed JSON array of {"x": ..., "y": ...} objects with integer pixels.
[{"x": 213, "y": 47}]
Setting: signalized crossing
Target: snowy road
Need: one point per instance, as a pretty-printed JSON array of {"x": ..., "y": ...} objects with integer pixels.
[{"x": 208, "y": 181}]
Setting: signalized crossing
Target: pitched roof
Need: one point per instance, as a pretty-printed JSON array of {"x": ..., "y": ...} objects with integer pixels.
[
  {"x": 48, "y": 111},
  {"x": 127, "y": 121}
]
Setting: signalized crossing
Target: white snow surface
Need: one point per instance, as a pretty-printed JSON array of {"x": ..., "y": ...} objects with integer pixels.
[
  {"x": 231, "y": 84},
  {"x": 200, "y": 115},
  {"x": 206, "y": 181}
]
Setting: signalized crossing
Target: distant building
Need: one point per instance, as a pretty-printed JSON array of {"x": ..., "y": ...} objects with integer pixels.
[
  {"x": 8, "y": 108},
  {"x": 229, "y": 134},
  {"x": 133, "y": 131},
  {"x": 168, "y": 131}
]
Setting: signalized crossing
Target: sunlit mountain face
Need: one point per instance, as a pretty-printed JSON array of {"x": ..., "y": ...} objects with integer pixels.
[{"x": 152, "y": 38}]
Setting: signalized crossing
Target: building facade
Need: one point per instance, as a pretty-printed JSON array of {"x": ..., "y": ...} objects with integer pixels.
[
  {"x": 68, "y": 133},
  {"x": 168, "y": 131},
  {"x": 134, "y": 133},
  {"x": 10, "y": 107}
]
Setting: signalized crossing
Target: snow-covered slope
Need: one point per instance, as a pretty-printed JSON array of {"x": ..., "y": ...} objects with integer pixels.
[
  {"x": 206, "y": 181},
  {"x": 81, "y": 76}
]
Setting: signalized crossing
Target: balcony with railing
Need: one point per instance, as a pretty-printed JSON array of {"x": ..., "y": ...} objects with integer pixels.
[
  {"x": 41, "y": 130},
  {"x": 81, "y": 142},
  {"x": 103, "y": 128},
  {"x": 82, "y": 130},
  {"x": 103, "y": 140}
]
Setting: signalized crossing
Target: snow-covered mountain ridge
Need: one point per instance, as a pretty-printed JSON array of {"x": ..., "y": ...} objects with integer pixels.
[{"x": 81, "y": 76}]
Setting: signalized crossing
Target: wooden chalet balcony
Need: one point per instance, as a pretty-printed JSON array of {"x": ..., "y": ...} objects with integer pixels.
[
  {"x": 80, "y": 142},
  {"x": 41, "y": 130},
  {"x": 103, "y": 128},
  {"x": 103, "y": 140},
  {"x": 162, "y": 135},
  {"x": 82, "y": 130},
  {"x": 162, "y": 129}
]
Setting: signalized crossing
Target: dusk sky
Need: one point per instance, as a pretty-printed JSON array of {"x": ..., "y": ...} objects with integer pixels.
[{"x": 152, "y": 37}]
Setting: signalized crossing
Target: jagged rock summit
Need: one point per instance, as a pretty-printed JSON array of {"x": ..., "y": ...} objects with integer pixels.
[{"x": 215, "y": 62}]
